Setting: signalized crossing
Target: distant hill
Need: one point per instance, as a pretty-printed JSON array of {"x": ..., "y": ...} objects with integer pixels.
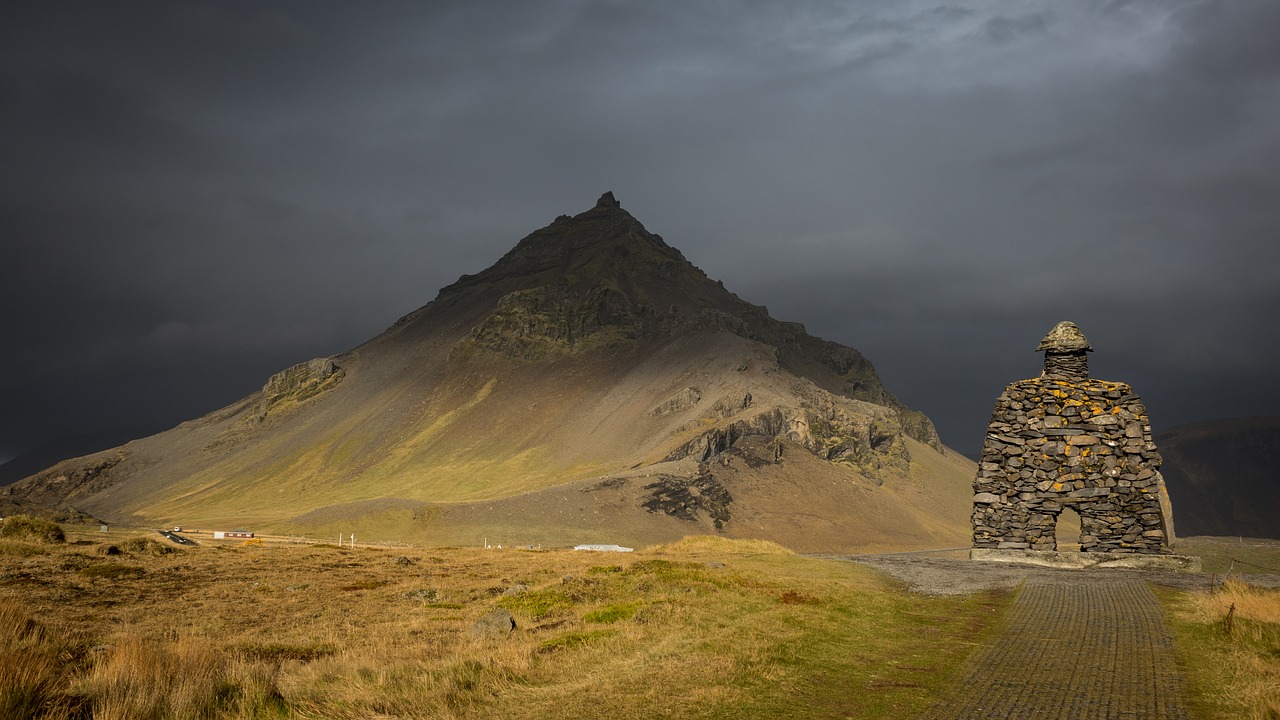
[
  {"x": 591, "y": 385},
  {"x": 49, "y": 453},
  {"x": 1224, "y": 476}
]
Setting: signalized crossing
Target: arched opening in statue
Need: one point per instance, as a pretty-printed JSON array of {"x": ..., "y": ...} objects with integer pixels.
[{"x": 1067, "y": 530}]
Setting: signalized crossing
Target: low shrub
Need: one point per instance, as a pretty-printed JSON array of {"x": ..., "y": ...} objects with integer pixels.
[
  {"x": 31, "y": 529},
  {"x": 147, "y": 546}
]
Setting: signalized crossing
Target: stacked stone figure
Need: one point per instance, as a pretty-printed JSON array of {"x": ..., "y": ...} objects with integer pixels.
[{"x": 1065, "y": 440}]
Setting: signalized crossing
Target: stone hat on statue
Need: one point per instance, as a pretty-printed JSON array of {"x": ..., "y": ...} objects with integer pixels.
[{"x": 1065, "y": 337}]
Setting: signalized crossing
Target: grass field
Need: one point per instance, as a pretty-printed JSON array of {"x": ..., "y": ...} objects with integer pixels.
[
  {"x": 1233, "y": 556},
  {"x": 700, "y": 628},
  {"x": 121, "y": 626}
]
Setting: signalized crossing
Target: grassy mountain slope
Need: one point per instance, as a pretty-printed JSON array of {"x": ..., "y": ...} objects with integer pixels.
[{"x": 589, "y": 356}]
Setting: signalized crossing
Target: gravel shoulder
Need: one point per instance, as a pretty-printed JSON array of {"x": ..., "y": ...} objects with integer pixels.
[{"x": 957, "y": 576}]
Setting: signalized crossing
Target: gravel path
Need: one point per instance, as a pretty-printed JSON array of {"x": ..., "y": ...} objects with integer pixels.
[
  {"x": 1075, "y": 644},
  {"x": 1073, "y": 650}
]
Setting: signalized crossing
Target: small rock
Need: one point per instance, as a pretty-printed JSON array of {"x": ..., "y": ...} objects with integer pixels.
[
  {"x": 402, "y": 560},
  {"x": 515, "y": 590},
  {"x": 497, "y": 624},
  {"x": 715, "y": 565}
]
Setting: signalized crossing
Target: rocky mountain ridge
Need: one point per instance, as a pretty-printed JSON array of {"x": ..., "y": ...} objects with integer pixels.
[{"x": 591, "y": 350}]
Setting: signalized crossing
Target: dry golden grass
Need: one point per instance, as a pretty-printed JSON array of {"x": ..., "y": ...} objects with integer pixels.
[
  {"x": 710, "y": 544},
  {"x": 26, "y": 528},
  {"x": 1230, "y": 640},
  {"x": 704, "y": 627},
  {"x": 31, "y": 667}
]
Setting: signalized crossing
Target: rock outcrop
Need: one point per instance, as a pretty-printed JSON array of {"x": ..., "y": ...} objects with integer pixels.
[{"x": 295, "y": 385}]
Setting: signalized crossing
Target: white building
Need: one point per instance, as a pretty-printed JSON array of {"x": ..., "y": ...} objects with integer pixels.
[{"x": 603, "y": 548}]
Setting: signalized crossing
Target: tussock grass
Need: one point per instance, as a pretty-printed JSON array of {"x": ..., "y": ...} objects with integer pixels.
[
  {"x": 189, "y": 677},
  {"x": 147, "y": 546},
  {"x": 702, "y": 628},
  {"x": 31, "y": 529},
  {"x": 32, "y": 668},
  {"x": 145, "y": 680},
  {"x": 1229, "y": 641}
]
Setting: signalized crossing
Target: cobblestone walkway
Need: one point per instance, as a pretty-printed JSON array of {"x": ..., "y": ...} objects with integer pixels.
[{"x": 1074, "y": 650}]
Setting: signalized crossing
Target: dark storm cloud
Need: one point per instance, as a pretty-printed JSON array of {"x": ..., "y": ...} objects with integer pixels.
[{"x": 195, "y": 195}]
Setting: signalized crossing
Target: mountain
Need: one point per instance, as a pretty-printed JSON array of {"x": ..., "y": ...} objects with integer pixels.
[
  {"x": 51, "y": 452},
  {"x": 591, "y": 385},
  {"x": 1222, "y": 476}
]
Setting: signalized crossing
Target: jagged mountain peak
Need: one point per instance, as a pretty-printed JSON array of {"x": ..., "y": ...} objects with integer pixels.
[
  {"x": 607, "y": 200},
  {"x": 591, "y": 357},
  {"x": 599, "y": 278},
  {"x": 603, "y": 243}
]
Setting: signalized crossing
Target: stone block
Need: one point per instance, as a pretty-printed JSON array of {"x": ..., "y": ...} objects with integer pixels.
[{"x": 1089, "y": 492}]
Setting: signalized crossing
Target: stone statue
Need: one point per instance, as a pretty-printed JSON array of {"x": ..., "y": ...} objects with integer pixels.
[{"x": 1066, "y": 440}]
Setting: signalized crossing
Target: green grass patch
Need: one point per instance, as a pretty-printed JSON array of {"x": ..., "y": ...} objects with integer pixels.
[
  {"x": 613, "y": 613},
  {"x": 537, "y": 604},
  {"x": 571, "y": 640}
]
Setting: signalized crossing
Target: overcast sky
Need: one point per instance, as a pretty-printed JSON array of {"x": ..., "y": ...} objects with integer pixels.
[{"x": 194, "y": 195}]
